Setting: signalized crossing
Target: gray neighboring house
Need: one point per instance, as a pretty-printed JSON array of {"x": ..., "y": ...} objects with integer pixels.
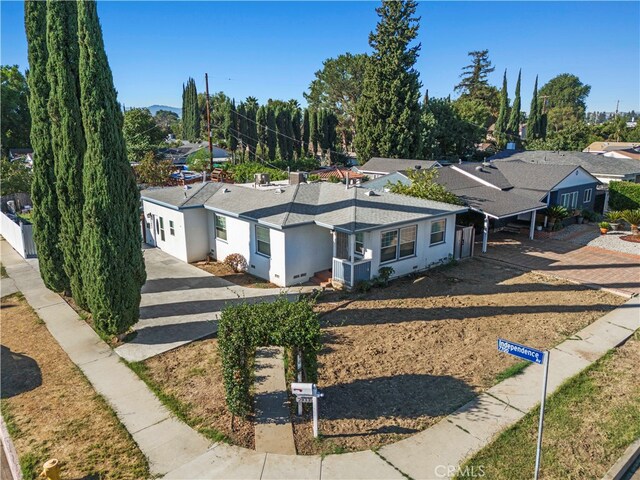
[
  {"x": 605, "y": 169},
  {"x": 290, "y": 233},
  {"x": 378, "y": 166}
]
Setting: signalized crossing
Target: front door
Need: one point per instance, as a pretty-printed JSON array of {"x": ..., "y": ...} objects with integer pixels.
[{"x": 151, "y": 231}]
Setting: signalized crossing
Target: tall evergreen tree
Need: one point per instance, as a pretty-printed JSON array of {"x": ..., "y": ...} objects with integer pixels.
[
  {"x": 45, "y": 216},
  {"x": 232, "y": 128},
  {"x": 261, "y": 121},
  {"x": 190, "y": 112},
  {"x": 313, "y": 131},
  {"x": 514, "y": 120},
  {"x": 296, "y": 128},
  {"x": 241, "y": 114},
  {"x": 251, "y": 107},
  {"x": 283, "y": 123},
  {"x": 474, "y": 77},
  {"x": 113, "y": 267},
  {"x": 306, "y": 134},
  {"x": 388, "y": 111},
  {"x": 67, "y": 136},
  {"x": 533, "y": 121},
  {"x": 272, "y": 138},
  {"x": 503, "y": 117}
]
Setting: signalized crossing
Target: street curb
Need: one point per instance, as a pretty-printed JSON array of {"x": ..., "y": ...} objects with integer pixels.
[
  {"x": 10, "y": 451},
  {"x": 627, "y": 459}
]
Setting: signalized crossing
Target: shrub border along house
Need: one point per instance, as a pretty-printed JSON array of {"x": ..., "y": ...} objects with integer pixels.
[
  {"x": 242, "y": 328},
  {"x": 624, "y": 195}
]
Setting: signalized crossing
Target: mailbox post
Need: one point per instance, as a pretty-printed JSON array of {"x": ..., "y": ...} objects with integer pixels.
[{"x": 308, "y": 393}]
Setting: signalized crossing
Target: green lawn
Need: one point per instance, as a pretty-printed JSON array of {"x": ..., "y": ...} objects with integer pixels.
[{"x": 589, "y": 422}]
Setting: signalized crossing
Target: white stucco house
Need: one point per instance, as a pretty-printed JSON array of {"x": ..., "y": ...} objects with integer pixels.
[{"x": 289, "y": 233}]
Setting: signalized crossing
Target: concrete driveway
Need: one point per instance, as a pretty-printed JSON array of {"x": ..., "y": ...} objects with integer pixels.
[
  {"x": 181, "y": 303},
  {"x": 614, "y": 271}
]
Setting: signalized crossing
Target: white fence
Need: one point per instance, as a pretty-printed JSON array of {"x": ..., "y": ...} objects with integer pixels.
[{"x": 20, "y": 236}]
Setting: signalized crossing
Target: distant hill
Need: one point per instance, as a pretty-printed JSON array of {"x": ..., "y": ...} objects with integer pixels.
[{"x": 154, "y": 108}]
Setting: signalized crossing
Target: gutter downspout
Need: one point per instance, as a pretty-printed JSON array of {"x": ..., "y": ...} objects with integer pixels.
[{"x": 485, "y": 233}]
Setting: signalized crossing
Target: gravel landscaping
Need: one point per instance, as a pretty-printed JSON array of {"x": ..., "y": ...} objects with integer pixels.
[{"x": 589, "y": 235}]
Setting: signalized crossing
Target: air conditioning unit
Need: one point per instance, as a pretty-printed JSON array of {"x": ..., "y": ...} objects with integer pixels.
[{"x": 261, "y": 179}]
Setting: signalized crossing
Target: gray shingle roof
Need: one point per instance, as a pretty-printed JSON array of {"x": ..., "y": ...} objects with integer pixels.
[
  {"x": 533, "y": 176},
  {"x": 388, "y": 165},
  {"x": 180, "y": 197},
  {"x": 495, "y": 202},
  {"x": 326, "y": 204},
  {"x": 489, "y": 174},
  {"x": 594, "y": 164}
]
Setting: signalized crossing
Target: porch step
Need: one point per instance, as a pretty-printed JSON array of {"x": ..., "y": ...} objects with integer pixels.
[{"x": 322, "y": 278}]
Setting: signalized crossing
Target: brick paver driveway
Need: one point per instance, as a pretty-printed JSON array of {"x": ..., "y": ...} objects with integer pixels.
[{"x": 588, "y": 265}]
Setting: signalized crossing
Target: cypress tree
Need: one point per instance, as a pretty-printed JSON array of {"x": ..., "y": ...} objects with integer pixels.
[
  {"x": 514, "y": 120},
  {"x": 533, "y": 122},
  {"x": 190, "y": 112},
  {"x": 388, "y": 111},
  {"x": 306, "y": 134},
  {"x": 185, "y": 121},
  {"x": 272, "y": 138},
  {"x": 503, "y": 116},
  {"x": 113, "y": 267},
  {"x": 283, "y": 119},
  {"x": 251, "y": 107},
  {"x": 313, "y": 131},
  {"x": 241, "y": 114},
  {"x": 232, "y": 128},
  {"x": 45, "y": 216},
  {"x": 261, "y": 124},
  {"x": 67, "y": 136},
  {"x": 296, "y": 127},
  {"x": 195, "y": 111}
]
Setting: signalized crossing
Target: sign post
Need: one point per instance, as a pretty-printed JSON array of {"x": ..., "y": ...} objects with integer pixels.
[{"x": 541, "y": 358}]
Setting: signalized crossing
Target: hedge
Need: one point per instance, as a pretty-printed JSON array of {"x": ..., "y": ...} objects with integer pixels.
[
  {"x": 242, "y": 328},
  {"x": 624, "y": 196}
]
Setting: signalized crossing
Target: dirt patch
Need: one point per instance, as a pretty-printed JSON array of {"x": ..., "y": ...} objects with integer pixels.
[
  {"x": 193, "y": 375},
  {"x": 399, "y": 359},
  {"x": 221, "y": 270},
  {"x": 52, "y": 410},
  {"x": 631, "y": 238}
]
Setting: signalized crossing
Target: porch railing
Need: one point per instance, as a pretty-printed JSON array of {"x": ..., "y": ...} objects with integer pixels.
[{"x": 350, "y": 273}]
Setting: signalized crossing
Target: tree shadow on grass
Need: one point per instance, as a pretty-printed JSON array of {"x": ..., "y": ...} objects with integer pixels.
[{"x": 20, "y": 373}]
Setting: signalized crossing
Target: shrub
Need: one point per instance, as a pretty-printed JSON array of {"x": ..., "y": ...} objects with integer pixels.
[
  {"x": 236, "y": 262},
  {"x": 624, "y": 195},
  {"x": 590, "y": 215},
  {"x": 633, "y": 217},
  {"x": 614, "y": 216},
  {"x": 605, "y": 225},
  {"x": 363, "y": 286},
  {"x": 384, "y": 274},
  {"x": 242, "y": 328}
]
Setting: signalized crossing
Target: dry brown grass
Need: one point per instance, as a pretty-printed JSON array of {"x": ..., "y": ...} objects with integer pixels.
[
  {"x": 192, "y": 374},
  {"x": 52, "y": 409},
  {"x": 221, "y": 270}
]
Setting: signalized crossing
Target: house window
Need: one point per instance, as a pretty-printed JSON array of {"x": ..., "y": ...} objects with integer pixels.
[
  {"x": 360, "y": 244},
  {"x": 588, "y": 194},
  {"x": 408, "y": 241},
  {"x": 569, "y": 200},
  {"x": 221, "y": 227},
  {"x": 172, "y": 230},
  {"x": 391, "y": 249},
  {"x": 263, "y": 241},
  {"x": 388, "y": 246},
  {"x": 162, "y": 229},
  {"x": 438, "y": 229}
]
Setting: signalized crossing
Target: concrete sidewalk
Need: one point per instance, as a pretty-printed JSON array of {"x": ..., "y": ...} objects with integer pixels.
[
  {"x": 173, "y": 447},
  {"x": 165, "y": 441}
]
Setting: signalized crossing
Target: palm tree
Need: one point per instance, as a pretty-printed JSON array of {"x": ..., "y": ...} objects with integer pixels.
[{"x": 633, "y": 217}]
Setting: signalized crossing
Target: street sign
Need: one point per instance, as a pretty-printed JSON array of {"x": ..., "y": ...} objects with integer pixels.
[
  {"x": 521, "y": 351},
  {"x": 535, "y": 356}
]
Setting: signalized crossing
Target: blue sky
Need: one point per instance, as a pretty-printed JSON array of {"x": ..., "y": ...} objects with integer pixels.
[{"x": 272, "y": 49}]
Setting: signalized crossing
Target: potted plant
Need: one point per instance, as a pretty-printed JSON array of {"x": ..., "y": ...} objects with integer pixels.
[
  {"x": 556, "y": 213},
  {"x": 614, "y": 217},
  {"x": 633, "y": 217},
  {"x": 604, "y": 227}
]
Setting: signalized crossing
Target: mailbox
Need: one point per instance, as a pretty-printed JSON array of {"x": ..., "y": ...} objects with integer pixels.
[{"x": 299, "y": 389}]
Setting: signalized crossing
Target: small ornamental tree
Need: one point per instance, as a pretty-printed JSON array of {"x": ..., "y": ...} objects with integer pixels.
[
  {"x": 243, "y": 328},
  {"x": 423, "y": 186}
]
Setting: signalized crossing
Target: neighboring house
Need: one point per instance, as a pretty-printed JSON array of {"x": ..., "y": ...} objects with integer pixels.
[
  {"x": 22, "y": 154},
  {"x": 377, "y": 167},
  {"x": 179, "y": 155},
  {"x": 605, "y": 169},
  {"x": 631, "y": 153},
  {"x": 339, "y": 173},
  {"x": 603, "y": 147},
  {"x": 289, "y": 233}
]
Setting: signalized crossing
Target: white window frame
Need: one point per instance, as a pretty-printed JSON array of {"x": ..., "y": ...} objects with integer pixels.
[
  {"x": 398, "y": 243},
  {"x": 359, "y": 244},
  {"x": 222, "y": 228},
  {"x": 172, "y": 230},
  {"x": 442, "y": 231},
  {"x": 259, "y": 242},
  {"x": 569, "y": 200},
  {"x": 587, "y": 198},
  {"x": 162, "y": 229}
]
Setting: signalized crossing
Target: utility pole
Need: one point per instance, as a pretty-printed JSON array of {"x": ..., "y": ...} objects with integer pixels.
[{"x": 206, "y": 83}]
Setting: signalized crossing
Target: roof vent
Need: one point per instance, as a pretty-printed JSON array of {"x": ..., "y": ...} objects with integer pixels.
[
  {"x": 479, "y": 168},
  {"x": 486, "y": 164},
  {"x": 370, "y": 193},
  {"x": 225, "y": 190},
  {"x": 417, "y": 167},
  {"x": 279, "y": 190}
]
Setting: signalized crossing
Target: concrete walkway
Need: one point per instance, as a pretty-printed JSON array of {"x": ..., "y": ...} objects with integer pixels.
[
  {"x": 273, "y": 433},
  {"x": 173, "y": 447},
  {"x": 182, "y": 303},
  {"x": 164, "y": 440}
]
